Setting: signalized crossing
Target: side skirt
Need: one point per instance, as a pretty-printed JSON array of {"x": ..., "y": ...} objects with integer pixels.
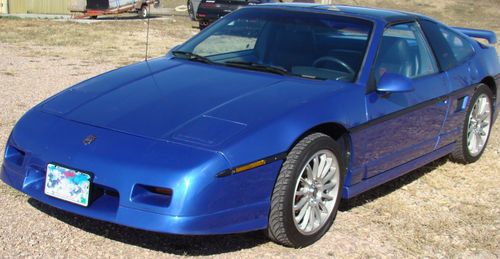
[{"x": 351, "y": 191}]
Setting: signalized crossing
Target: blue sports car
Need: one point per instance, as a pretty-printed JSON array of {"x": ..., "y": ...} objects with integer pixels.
[{"x": 265, "y": 120}]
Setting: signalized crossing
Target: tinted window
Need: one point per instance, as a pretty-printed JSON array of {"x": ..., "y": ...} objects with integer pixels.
[
  {"x": 441, "y": 48},
  {"x": 451, "y": 49},
  {"x": 461, "y": 49},
  {"x": 309, "y": 44},
  {"x": 404, "y": 51}
]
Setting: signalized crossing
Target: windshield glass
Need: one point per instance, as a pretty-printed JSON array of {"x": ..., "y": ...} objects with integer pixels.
[{"x": 312, "y": 45}]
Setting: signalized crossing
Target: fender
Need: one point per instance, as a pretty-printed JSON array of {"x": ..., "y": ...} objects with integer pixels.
[{"x": 280, "y": 129}]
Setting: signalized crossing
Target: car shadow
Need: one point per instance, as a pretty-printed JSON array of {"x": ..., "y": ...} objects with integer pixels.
[
  {"x": 391, "y": 186},
  {"x": 166, "y": 243},
  {"x": 211, "y": 245}
]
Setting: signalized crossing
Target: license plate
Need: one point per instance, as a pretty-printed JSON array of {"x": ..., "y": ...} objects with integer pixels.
[{"x": 68, "y": 184}]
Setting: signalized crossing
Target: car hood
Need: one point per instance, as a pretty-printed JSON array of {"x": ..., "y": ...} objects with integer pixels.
[
  {"x": 155, "y": 98},
  {"x": 180, "y": 100}
]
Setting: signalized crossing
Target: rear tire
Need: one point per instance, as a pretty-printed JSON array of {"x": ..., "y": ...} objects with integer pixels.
[
  {"x": 476, "y": 129},
  {"x": 304, "y": 204},
  {"x": 203, "y": 25},
  {"x": 144, "y": 12}
]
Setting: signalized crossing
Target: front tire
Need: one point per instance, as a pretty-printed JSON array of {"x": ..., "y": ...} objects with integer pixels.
[
  {"x": 476, "y": 128},
  {"x": 307, "y": 192},
  {"x": 190, "y": 9}
]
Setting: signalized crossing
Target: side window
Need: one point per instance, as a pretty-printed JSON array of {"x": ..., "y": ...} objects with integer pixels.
[
  {"x": 460, "y": 48},
  {"x": 404, "y": 51}
]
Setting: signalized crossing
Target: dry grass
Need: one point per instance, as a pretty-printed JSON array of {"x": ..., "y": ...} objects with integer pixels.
[
  {"x": 441, "y": 210},
  {"x": 120, "y": 41}
]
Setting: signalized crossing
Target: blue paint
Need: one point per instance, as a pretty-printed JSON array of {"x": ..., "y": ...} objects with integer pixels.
[
  {"x": 174, "y": 123},
  {"x": 394, "y": 83},
  {"x": 490, "y": 36}
]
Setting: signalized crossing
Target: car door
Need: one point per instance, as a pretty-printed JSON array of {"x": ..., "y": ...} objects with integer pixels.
[
  {"x": 454, "y": 54},
  {"x": 402, "y": 126}
]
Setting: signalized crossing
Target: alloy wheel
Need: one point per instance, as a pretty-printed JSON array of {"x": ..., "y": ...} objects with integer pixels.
[
  {"x": 479, "y": 125},
  {"x": 316, "y": 192}
]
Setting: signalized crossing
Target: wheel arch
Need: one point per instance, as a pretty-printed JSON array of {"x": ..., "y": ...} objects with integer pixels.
[
  {"x": 336, "y": 131},
  {"x": 490, "y": 82}
]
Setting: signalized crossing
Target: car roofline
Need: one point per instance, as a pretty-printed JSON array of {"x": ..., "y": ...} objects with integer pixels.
[{"x": 368, "y": 13}]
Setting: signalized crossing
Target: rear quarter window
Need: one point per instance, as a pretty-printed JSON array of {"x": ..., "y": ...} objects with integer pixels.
[
  {"x": 450, "y": 48},
  {"x": 461, "y": 48}
]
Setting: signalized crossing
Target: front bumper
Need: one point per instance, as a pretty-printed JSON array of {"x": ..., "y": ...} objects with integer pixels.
[
  {"x": 200, "y": 202},
  {"x": 107, "y": 208}
]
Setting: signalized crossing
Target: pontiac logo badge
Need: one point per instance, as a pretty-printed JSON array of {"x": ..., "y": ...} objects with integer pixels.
[{"x": 89, "y": 139}]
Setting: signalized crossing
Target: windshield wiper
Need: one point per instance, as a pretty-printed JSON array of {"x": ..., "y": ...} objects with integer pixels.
[
  {"x": 259, "y": 67},
  {"x": 268, "y": 68},
  {"x": 191, "y": 56}
]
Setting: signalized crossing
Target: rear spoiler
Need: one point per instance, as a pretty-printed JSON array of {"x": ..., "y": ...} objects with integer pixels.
[{"x": 490, "y": 36}]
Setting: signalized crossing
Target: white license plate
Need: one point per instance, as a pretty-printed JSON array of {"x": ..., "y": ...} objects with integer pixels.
[{"x": 67, "y": 184}]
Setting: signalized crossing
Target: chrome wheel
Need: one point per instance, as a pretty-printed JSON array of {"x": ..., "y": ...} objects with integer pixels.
[
  {"x": 316, "y": 192},
  {"x": 478, "y": 129}
]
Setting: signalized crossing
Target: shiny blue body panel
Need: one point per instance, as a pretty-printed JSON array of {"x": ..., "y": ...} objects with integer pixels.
[{"x": 176, "y": 124}]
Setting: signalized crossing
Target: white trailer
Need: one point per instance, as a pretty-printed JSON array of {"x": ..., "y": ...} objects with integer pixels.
[{"x": 94, "y": 8}]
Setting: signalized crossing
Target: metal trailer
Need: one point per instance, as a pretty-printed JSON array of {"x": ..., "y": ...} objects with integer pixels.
[{"x": 94, "y": 8}]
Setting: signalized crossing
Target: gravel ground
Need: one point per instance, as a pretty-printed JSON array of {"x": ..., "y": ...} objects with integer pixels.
[
  {"x": 444, "y": 209},
  {"x": 441, "y": 210}
]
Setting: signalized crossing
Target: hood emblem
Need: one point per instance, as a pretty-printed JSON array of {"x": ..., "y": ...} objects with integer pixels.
[{"x": 89, "y": 139}]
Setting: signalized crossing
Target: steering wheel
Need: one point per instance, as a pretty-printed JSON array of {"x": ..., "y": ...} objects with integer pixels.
[{"x": 335, "y": 60}]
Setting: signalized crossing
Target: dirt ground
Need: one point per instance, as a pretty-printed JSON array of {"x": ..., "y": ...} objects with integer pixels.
[{"x": 441, "y": 210}]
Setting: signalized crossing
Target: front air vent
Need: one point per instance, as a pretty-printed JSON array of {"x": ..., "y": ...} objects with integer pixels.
[
  {"x": 152, "y": 195},
  {"x": 14, "y": 155}
]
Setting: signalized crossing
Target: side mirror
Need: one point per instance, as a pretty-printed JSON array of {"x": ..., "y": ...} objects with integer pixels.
[{"x": 394, "y": 83}]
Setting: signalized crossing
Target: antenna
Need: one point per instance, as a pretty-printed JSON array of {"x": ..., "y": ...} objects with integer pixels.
[{"x": 147, "y": 33}]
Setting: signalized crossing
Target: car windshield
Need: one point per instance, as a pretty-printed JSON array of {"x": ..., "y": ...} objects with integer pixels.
[{"x": 311, "y": 45}]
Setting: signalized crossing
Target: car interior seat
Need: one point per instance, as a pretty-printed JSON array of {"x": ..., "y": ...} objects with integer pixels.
[{"x": 395, "y": 56}]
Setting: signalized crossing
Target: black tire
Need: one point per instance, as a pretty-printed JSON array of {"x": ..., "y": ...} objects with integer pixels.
[
  {"x": 281, "y": 227},
  {"x": 144, "y": 12},
  {"x": 93, "y": 17},
  {"x": 203, "y": 25},
  {"x": 461, "y": 153},
  {"x": 190, "y": 9}
]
